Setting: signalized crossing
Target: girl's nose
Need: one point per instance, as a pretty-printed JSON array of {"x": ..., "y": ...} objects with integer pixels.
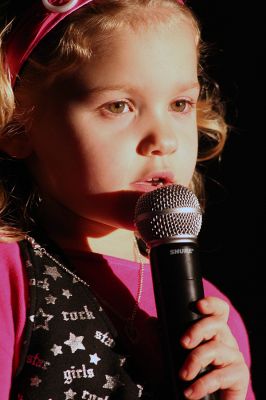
[{"x": 159, "y": 141}]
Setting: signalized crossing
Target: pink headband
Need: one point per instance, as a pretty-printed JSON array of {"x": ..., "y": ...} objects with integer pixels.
[{"x": 36, "y": 22}]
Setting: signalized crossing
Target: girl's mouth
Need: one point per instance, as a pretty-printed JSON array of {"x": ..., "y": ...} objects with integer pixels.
[
  {"x": 157, "y": 181},
  {"x": 154, "y": 180}
]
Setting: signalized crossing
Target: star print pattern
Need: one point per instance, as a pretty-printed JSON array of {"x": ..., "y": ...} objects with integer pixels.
[
  {"x": 66, "y": 293},
  {"x": 70, "y": 343},
  {"x": 94, "y": 359},
  {"x": 50, "y": 299},
  {"x": 53, "y": 272},
  {"x": 111, "y": 382},
  {"x": 41, "y": 320},
  {"x": 35, "y": 381},
  {"x": 75, "y": 342},
  {"x": 56, "y": 350},
  {"x": 70, "y": 394}
]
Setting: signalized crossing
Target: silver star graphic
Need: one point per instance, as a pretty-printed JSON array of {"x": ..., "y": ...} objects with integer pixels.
[
  {"x": 53, "y": 272},
  {"x": 35, "y": 381},
  {"x": 94, "y": 359},
  {"x": 66, "y": 293},
  {"x": 50, "y": 299},
  {"x": 70, "y": 394},
  {"x": 75, "y": 342},
  {"x": 111, "y": 382},
  {"x": 41, "y": 320},
  {"x": 56, "y": 349}
]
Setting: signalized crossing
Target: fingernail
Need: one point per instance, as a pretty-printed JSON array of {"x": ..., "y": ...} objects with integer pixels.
[
  {"x": 188, "y": 392},
  {"x": 184, "y": 373},
  {"x": 186, "y": 340},
  {"x": 205, "y": 303}
]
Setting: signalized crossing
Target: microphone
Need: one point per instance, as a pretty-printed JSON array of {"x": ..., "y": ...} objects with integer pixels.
[{"x": 168, "y": 219}]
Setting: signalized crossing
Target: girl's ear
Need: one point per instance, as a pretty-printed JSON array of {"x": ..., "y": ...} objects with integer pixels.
[{"x": 17, "y": 146}]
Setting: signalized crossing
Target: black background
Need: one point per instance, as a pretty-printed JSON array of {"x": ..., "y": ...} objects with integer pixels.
[{"x": 232, "y": 239}]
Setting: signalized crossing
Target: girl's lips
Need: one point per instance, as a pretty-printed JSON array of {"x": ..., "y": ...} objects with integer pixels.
[{"x": 154, "y": 180}]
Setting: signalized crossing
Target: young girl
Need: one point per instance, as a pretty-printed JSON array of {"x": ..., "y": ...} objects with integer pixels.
[{"x": 101, "y": 101}]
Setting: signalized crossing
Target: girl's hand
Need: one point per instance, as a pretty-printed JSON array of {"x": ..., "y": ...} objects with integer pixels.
[{"x": 211, "y": 342}]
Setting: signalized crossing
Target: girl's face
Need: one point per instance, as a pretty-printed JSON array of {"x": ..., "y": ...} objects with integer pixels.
[{"x": 124, "y": 121}]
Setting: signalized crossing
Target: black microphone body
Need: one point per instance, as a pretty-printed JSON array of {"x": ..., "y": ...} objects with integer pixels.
[
  {"x": 176, "y": 273},
  {"x": 178, "y": 285}
]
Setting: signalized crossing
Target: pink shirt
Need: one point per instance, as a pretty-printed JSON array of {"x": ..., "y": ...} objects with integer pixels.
[{"x": 107, "y": 275}]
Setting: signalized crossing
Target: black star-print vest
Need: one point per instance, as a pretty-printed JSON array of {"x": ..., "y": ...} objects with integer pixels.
[{"x": 70, "y": 349}]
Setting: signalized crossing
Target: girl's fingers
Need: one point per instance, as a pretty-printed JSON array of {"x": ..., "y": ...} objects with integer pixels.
[
  {"x": 213, "y": 326},
  {"x": 214, "y": 306},
  {"x": 206, "y": 329},
  {"x": 215, "y": 353},
  {"x": 232, "y": 380},
  {"x": 212, "y": 343}
]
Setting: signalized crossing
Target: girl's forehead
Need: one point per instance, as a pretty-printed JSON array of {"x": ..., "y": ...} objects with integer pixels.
[
  {"x": 137, "y": 59},
  {"x": 35, "y": 23},
  {"x": 140, "y": 34}
]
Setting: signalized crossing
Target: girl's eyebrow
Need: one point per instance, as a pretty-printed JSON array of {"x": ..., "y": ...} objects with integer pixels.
[
  {"x": 109, "y": 88},
  {"x": 188, "y": 86},
  {"x": 128, "y": 88}
]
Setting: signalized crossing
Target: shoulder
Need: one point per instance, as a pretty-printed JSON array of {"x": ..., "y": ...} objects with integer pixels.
[
  {"x": 10, "y": 263},
  {"x": 9, "y": 254},
  {"x": 12, "y": 271},
  {"x": 12, "y": 282}
]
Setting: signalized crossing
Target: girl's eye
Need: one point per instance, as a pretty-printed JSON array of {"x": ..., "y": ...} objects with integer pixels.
[
  {"x": 181, "y": 105},
  {"x": 118, "y": 107}
]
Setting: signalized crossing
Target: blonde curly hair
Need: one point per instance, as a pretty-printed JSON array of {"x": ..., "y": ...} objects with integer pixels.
[{"x": 76, "y": 38}]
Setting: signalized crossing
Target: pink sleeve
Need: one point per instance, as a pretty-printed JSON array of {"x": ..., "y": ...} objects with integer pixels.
[
  {"x": 237, "y": 327},
  {"x": 12, "y": 313}
]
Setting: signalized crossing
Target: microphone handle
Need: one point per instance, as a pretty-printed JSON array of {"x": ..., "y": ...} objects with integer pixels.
[{"x": 178, "y": 285}]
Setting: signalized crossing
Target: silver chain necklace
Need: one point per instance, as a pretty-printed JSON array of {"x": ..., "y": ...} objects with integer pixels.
[{"x": 129, "y": 327}]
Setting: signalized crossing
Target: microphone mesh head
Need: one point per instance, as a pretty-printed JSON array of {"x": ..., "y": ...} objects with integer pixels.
[{"x": 168, "y": 213}]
